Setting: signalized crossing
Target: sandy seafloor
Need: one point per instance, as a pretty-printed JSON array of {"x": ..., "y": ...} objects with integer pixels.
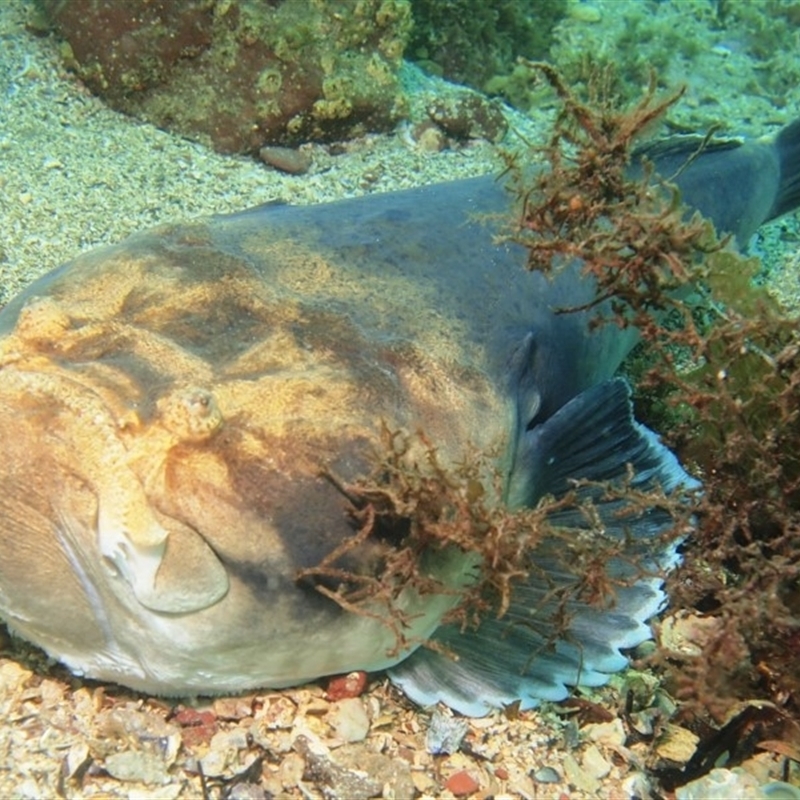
[{"x": 74, "y": 175}]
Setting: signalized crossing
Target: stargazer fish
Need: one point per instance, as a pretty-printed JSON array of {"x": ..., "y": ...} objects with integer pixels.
[{"x": 172, "y": 409}]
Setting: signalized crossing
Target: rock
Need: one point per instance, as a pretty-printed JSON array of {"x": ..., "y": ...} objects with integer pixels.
[
  {"x": 462, "y": 784},
  {"x": 584, "y": 12},
  {"x": 350, "y": 685},
  {"x": 239, "y": 74},
  {"x": 233, "y": 708},
  {"x": 676, "y": 744},
  {"x": 246, "y": 791},
  {"x": 339, "y": 782},
  {"x": 197, "y": 727},
  {"x": 547, "y": 775},
  {"x": 780, "y": 790},
  {"x": 721, "y": 783},
  {"x": 445, "y": 733},
  {"x": 137, "y": 765},
  {"x": 223, "y": 751},
  {"x": 12, "y": 678},
  {"x": 469, "y": 116},
  {"x": 579, "y": 777},
  {"x": 686, "y": 634},
  {"x": 429, "y": 137},
  {"x": 349, "y": 720},
  {"x": 611, "y": 734},
  {"x": 76, "y": 761},
  {"x": 278, "y": 713},
  {"x": 286, "y": 159},
  {"x": 149, "y": 732},
  {"x": 594, "y": 763},
  {"x": 392, "y": 773}
]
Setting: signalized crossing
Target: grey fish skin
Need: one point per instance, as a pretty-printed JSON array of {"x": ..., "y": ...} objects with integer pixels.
[
  {"x": 738, "y": 183},
  {"x": 167, "y": 405}
]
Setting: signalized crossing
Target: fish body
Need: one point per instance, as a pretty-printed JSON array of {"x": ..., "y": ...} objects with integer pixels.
[
  {"x": 172, "y": 409},
  {"x": 738, "y": 183}
]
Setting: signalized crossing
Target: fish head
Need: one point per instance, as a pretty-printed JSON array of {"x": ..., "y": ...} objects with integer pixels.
[{"x": 180, "y": 423}]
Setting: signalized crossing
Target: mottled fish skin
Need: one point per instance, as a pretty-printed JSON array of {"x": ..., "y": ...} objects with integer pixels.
[{"x": 167, "y": 407}]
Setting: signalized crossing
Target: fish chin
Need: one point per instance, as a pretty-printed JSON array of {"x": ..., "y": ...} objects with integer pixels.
[{"x": 279, "y": 636}]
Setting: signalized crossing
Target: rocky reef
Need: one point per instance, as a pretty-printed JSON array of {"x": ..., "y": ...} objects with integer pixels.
[{"x": 238, "y": 74}]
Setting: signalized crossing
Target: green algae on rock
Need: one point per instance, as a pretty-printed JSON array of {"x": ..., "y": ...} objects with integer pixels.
[
  {"x": 471, "y": 41},
  {"x": 240, "y": 74}
]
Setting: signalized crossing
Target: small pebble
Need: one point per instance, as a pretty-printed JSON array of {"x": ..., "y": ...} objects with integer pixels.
[
  {"x": 349, "y": 720},
  {"x": 445, "y": 733},
  {"x": 462, "y": 784},
  {"x": 610, "y": 734},
  {"x": 350, "y": 685},
  {"x": 137, "y": 765},
  {"x": 594, "y": 763},
  {"x": 546, "y": 775},
  {"x": 579, "y": 777},
  {"x": 429, "y": 138},
  {"x": 721, "y": 783},
  {"x": 285, "y": 159}
]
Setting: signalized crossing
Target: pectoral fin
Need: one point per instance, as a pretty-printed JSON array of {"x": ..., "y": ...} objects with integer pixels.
[{"x": 550, "y": 638}]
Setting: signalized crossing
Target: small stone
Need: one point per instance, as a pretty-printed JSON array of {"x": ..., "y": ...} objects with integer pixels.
[
  {"x": 644, "y": 722},
  {"x": 579, "y": 777},
  {"x": 445, "y": 734},
  {"x": 636, "y": 785},
  {"x": 611, "y": 734},
  {"x": 469, "y": 116},
  {"x": 686, "y": 634},
  {"x": 291, "y": 770},
  {"x": 547, "y": 775},
  {"x": 594, "y": 763},
  {"x": 353, "y": 784},
  {"x": 223, "y": 752},
  {"x": 423, "y": 782},
  {"x": 76, "y": 760},
  {"x": 429, "y": 137},
  {"x": 52, "y": 693},
  {"x": 285, "y": 159},
  {"x": 350, "y": 685},
  {"x": 233, "y": 708},
  {"x": 12, "y": 678},
  {"x": 462, "y": 784},
  {"x": 246, "y": 791},
  {"x": 279, "y": 713},
  {"x": 349, "y": 720},
  {"x": 721, "y": 783},
  {"x": 197, "y": 727},
  {"x": 676, "y": 744},
  {"x": 137, "y": 765},
  {"x": 149, "y": 730},
  {"x": 391, "y": 772}
]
